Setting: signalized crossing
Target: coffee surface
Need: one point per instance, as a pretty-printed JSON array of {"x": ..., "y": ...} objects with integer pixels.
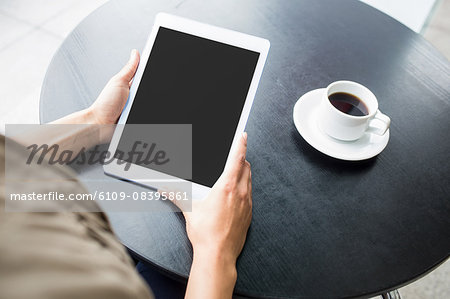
[{"x": 348, "y": 103}]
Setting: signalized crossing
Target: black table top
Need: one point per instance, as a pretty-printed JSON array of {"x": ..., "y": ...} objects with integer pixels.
[{"x": 321, "y": 227}]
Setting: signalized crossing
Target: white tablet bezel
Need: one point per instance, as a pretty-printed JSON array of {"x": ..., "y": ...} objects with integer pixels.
[{"x": 214, "y": 33}]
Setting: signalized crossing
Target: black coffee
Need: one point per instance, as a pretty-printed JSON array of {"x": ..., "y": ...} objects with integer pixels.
[{"x": 348, "y": 103}]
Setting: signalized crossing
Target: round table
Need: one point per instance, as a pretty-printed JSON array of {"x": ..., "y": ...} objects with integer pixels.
[{"x": 321, "y": 227}]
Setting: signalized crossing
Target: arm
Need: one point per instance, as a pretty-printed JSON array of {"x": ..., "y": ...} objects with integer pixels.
[
  {"x": 217, "y": 228},
  {"x": 212, "y": 275},
  {"x": 94, "y": 122}
]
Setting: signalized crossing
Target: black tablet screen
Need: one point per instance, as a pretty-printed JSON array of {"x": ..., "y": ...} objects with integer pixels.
[{"x": 193, "y": 80}]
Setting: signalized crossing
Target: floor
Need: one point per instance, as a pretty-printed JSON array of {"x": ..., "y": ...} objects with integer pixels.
[
  {"x": 415, "y": 16},
  {"x": 40, "y": 26}
]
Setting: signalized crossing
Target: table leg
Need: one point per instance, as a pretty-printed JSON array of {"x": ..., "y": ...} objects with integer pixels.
[{"x": 395, "y": 294}]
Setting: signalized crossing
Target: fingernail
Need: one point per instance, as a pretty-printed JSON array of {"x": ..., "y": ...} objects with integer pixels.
[{"x": 133, "y": 52}]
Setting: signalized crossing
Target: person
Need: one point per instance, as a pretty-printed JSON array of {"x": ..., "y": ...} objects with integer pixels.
[{"x": 77, "y": 255}]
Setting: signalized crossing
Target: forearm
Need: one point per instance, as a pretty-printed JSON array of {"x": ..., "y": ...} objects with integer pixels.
[
  {"x": 73, "y": 132},
  {"x": 85, "y": 116},
  {"x": 90, "y": 126},
  {"x": 213, "y": 275}
]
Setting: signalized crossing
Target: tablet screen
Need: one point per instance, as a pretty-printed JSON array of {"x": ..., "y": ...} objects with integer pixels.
[{"x": 193, "y": 80}]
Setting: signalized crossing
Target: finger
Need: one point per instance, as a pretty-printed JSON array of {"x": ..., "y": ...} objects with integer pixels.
[
  {"x": 126, "y": 74},
  {"x": 236, "y": 161}
]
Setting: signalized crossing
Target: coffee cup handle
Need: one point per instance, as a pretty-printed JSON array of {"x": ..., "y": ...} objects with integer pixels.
[{"x": 379, "y": 124}]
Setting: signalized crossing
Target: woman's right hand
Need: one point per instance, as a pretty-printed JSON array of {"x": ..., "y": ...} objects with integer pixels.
[
  {"x": 217, "y": 228},
  {"x": 221, "y": 221}
]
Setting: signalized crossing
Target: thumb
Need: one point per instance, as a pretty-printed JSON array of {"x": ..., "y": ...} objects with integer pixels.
[
  {"x": 128, "y": 71},
  {"x": 236, "y": 160}
]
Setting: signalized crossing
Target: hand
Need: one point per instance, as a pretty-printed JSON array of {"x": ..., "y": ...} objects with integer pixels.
[
  {"x": 217, "y": 228},
  {"x": 219, "y": 224},
  {"x": 109, "y": 104},
  {"x": 105, "y": 111}
]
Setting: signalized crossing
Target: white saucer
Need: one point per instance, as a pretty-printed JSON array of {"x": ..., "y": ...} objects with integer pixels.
[{"x": 305, "y": 119}]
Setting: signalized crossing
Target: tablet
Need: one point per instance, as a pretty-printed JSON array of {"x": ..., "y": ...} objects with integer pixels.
[{"x": 197, "y": 75}]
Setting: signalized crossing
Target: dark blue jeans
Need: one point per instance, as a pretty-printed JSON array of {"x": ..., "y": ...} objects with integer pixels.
[{"x": 162, "y": 286}]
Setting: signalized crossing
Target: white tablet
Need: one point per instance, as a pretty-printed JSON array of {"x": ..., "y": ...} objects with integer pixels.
[{"x": 195, "y": 74}]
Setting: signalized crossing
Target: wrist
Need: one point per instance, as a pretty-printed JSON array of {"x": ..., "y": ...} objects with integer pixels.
[
  {"x": 88, "y": 116},
  {"x": 216, "y": 260},
  {"x": 213, "y": 274}
]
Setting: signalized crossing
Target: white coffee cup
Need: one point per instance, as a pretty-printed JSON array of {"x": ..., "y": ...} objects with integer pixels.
[{"x": 346, "y": 127}]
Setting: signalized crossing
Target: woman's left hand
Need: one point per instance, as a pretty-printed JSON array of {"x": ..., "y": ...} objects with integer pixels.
[{"x": 109, "y": 104}]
